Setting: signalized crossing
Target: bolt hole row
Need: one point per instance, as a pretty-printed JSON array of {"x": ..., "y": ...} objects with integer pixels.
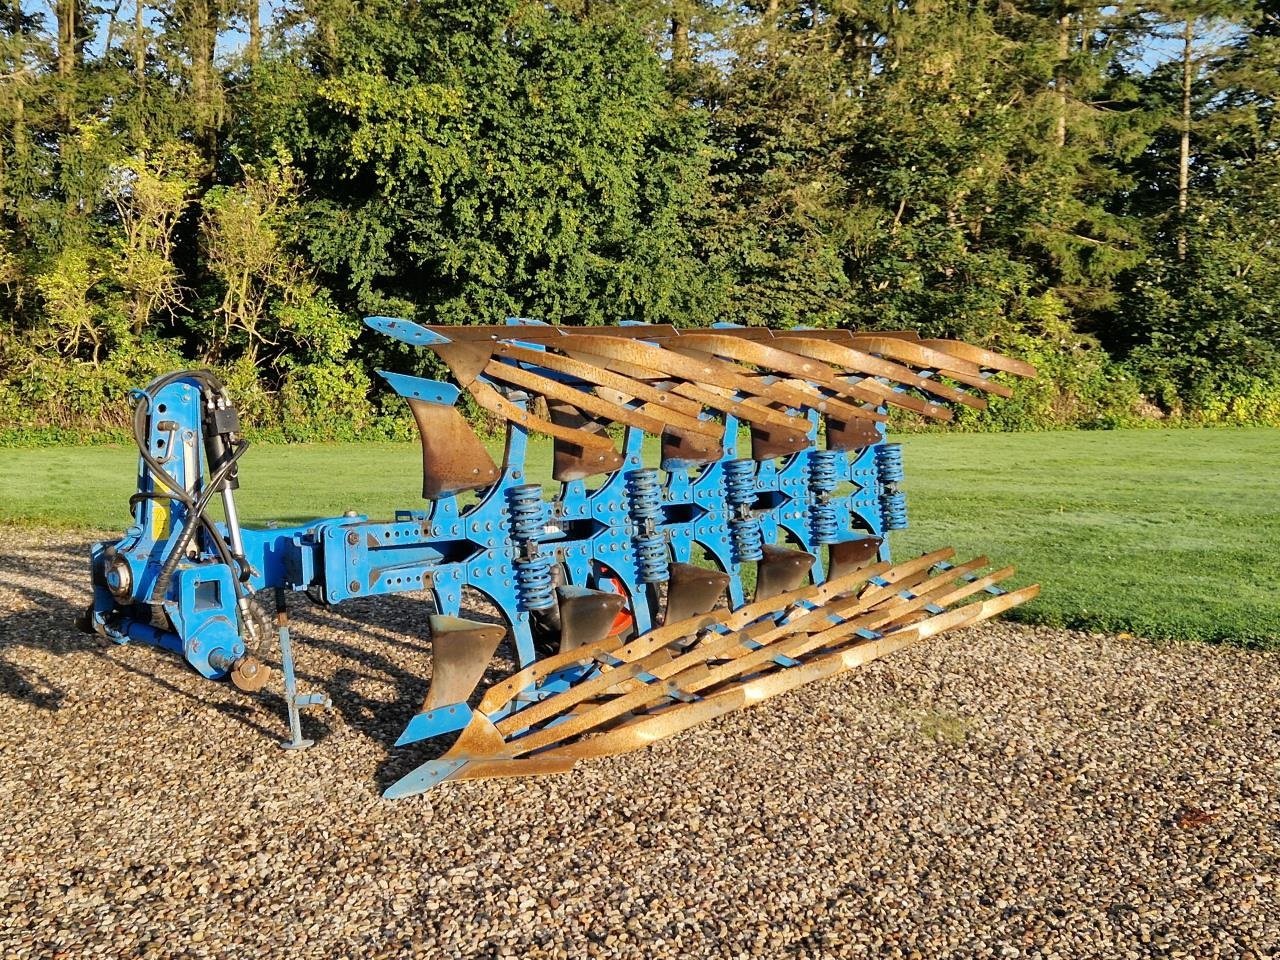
[{"x": 415, "y": 578}]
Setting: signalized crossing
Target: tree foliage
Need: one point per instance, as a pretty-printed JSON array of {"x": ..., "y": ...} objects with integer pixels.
[{"x": 1092, "y": 186}]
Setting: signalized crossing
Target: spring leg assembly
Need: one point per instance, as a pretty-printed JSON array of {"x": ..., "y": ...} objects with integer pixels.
[
  {"x": 744, "y": 526},
  {"x": 644, "y": 490},
  {"x": 893, "y": 502},
  {"x": 823, "y": 477},
  {"x": 532, "y": 566}
]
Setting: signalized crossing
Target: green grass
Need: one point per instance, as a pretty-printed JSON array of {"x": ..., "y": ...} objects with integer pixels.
[{"x": 1171, "y": 534}]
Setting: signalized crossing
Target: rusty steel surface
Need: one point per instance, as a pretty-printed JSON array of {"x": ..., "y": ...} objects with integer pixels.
[
  {"x": 461, "y": 651},
  {"x": 646, "y": 692},
  {"x": 453, "y": 458},
  {"x": 781, "y": 570},
  {"x": 664, "y": 380},
  {"x": 250, "y": 674},
  {"x": 587, "y": 617}
]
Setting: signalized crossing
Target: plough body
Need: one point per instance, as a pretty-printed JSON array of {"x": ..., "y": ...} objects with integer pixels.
[{"x": 639, "y": 597}]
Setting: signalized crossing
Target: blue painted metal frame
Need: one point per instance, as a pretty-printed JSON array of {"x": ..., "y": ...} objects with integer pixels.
[{"x": 807, "y": 499}]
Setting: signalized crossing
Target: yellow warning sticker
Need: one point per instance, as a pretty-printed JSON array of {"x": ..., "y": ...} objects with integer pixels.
[{"x": 161, "y": 512}]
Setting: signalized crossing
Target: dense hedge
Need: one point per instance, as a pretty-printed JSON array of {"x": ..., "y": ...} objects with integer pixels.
[{"x": 1005, "y": 173}]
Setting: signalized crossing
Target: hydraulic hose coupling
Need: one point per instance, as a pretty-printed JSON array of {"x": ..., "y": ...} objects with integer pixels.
[
  {"x": 744, "y": 526},
  {"x": 644, "y": 495},
  {"x": 534, "y": 588},
  {"x": 824, "y": 475},
  {"x": 893, "y": 502}
]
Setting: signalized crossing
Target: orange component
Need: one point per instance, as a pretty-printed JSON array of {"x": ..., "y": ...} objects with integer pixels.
[{"x": 624, "y": 621}]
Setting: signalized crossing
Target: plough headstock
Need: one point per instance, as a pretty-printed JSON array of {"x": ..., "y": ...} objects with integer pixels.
[{"x": 713, "y": 531}]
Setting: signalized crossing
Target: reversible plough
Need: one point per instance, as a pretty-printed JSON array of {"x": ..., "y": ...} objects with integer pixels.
[{"x": 715, "y": 535}]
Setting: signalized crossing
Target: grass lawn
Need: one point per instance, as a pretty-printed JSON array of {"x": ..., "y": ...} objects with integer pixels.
[{"x": 1164, "y": 533}]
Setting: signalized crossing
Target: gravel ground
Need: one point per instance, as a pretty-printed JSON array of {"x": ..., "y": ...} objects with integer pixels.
[{"x": 1004, "y": 792}]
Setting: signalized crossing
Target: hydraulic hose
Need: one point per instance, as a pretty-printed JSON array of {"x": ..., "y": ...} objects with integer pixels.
[
  {"x": 196, "y": 507},
  {"x": 196, "y": 516}
]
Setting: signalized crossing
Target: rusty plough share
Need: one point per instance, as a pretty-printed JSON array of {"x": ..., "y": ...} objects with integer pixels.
[{"x": 625, "y": 594}]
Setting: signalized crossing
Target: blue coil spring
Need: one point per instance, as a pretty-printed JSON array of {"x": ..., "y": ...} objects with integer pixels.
[
  {"x": 644, "y": 489},
  {"x": 893, "y": 507},
  {"x": 823, "y": 477},
  {"x": 823, "y": 470},
  {"x": 740, "y": 493},
  {"x": 652, "y": 559},
  {"x": 748, "y": 541},
  {"x": 534, "y": 589},
  {"x": 824, "y": 525},
  {"x": 889, "y": 462},
  {"x": 740, "y": 482},
  {"x": 528, "y": 512},
  {"x": 893, "y": 503}
]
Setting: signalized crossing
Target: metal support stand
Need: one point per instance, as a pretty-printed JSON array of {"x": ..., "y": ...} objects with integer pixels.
[{"x": 293, "y": 699}]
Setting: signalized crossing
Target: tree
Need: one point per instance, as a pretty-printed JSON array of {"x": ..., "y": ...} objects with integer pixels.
[
  {"x": 929, "y": 162},
  {"x": 1209, "y": 315},
  {"x": 190, "y": 39},
  {"x": 472, "y": 163},
  {"x": 785, "y": 218},
  {"x": 150, "y": 194},
  {"x": 1179, "y": 91}
]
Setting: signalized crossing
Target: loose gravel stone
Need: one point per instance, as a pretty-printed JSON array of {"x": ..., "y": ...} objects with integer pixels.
[{"x": 1007, "y": 791}]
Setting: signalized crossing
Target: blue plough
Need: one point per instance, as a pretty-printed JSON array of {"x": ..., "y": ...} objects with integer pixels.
[{"x": 646, "y": 588}]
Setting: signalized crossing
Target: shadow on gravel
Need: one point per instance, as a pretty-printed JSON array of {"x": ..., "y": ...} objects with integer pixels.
[
  {"x": 391, "y": 623},
  {"x": 337, "y": 649},
  {"x": 42, "y": 619},
  {"x": 30, "y": 687}
]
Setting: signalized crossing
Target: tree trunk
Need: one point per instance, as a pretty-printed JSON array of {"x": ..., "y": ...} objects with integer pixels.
[
  {"x": 1184, "y": 147},
  {"x": 112, "y": 18},
  {"x": 202, "y": 30},
  {"x": 19, "y": 137},
  {"x": 139, "y": 69},
  {"x": 1060, "y": 76},
  {"x": 66, "y": 11},
  {"x": 255, "y": 31},
  {"x": 680, "y": 55},
  {"x": 13, "y": 99}
]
